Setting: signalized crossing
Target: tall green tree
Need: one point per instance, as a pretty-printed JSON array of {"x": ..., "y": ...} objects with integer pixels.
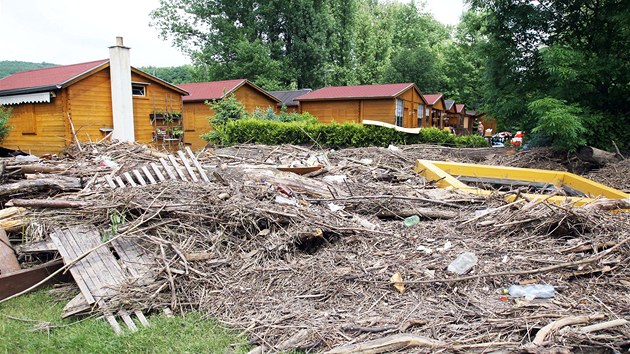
[{"x": 568, "y": 50}]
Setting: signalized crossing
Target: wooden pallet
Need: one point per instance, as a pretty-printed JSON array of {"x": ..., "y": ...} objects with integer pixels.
[
  {"x": 184, "y": 167},
  {"x": 100, "y": 274}
]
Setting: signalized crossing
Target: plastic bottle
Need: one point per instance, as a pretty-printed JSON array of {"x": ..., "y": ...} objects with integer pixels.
[
  {"x": 541, "y": 291},
  {"x": 463, "y": 263}
]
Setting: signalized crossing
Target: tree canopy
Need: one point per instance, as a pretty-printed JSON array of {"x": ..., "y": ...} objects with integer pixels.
[{"x": 519, "y": 60}]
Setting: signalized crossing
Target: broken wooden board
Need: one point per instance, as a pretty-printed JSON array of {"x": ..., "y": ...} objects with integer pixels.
[{"x": 98, "y": 274}]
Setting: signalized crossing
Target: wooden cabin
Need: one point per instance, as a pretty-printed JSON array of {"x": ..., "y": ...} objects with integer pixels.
[
  {"x": 197, "y": 112},
  {"x": 454, "y": 119},
  {"x": 467, "y": 122},
  {"x": 435, "y": 111},
  {"x": 287, "y": 99},
  {"x": 397, "y": 104},
  {"x": 49, "y": 104},
  {"x": 488, "y": 122}
]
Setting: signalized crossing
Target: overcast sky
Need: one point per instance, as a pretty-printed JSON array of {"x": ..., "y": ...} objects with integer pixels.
[{"x": 73, "y": 31}]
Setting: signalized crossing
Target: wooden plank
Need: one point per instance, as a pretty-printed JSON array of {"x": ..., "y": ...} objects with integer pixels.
[
  {"x": 75, "y": 270},
  {"x": 110, "y": 318},
  {"x": 92, "y": 272},
  {"x": 132, "y": 257},
  {"x": 129, "y": 179},
  {"x": 179, "y": 171},
  {"x": 143, "y": 320},
  {"x": 148, "y": 174},
  {"x": 184, "y": 160},
  {"x": 128, "y": 321},
  {"x": 139, "y": 177},
  {"x": 110, "y": 181},
  {"x": 157, "y": 171},
  {"x": 168, "y": 170},
  {"x": 120, "y": 182},
  {"x": 76, "y": 306},
  {"x": 200, "y": 169}
]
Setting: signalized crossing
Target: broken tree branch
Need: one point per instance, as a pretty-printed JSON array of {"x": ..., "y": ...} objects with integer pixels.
[
  {"x": 388, "y": 344},
  {"x": 48, "y": 203},
  {"x": 563, "y": 322}
]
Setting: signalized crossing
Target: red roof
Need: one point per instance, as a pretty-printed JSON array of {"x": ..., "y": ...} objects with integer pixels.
[
  {"x": 432, "y": 98},
  {"x": 361, "y": 91},
  {"x": 214, "y": 90},
  {"x": 54, "y": 76},
  {"x": 459, "y": 107}
]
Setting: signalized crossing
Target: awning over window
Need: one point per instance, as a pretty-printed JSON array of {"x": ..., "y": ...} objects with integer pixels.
[{"x": 41, "y": 97}]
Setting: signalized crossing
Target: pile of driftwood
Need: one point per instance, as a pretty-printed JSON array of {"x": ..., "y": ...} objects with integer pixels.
[{"x": 350, "y": 257}]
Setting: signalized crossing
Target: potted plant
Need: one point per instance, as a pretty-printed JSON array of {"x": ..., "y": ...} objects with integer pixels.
[{"x": 177, "y": 133}]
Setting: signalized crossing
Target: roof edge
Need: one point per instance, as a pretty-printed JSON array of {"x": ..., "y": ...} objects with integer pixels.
[
  {"x": 163, "y": 82},
  {"x": 22, "y": 91}
]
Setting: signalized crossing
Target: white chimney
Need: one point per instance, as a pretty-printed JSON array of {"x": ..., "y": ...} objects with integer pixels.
[{"x": 122, "y": 102}]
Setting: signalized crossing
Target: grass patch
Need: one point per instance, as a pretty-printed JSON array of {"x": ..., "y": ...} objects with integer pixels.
[{"x": 190, "y": 333}]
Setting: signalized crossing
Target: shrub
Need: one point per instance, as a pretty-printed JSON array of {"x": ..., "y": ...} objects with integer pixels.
[
  {"x": 5, "y": 128},
  {"x": 305, "y": 131},
  {"x": 227, "y": 109},
  {"x": 558, "y": 123}
]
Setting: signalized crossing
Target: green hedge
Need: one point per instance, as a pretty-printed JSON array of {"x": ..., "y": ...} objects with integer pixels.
[{"x": 268, "y": 132}]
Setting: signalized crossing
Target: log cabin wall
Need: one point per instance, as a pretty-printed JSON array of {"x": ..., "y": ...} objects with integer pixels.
[
  {"x": 157, "y": 98},
  {"x": 252, "y": 99},
  {"x": 379, "y": 110},
  {"x": 338, "y": 111},
  {"x": 196, "y": 122},
  {"x": 357, "y": 110},
  {"x": 90, "y": 106},
  {"x": 197, "y": 114},
  {"x": 39, "y": 128},
  {"x": 411, "y": 100}
]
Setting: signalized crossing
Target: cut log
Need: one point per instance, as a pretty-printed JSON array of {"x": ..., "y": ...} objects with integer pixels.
[
  {"x": 423, "y": 213},
  {"x": 596, "y": 156},
  {"x": 609, "y": 204},
  {"x": 296, "y": 183},
  {"x": 11, "y": 219},
  {"x": 48, "y": 203},
  {"x": 8, "y": 260},
  {"x": 29, "y": 169},
  {"x": 66, "y": 184},
  {"x": 388, "y": 344}
]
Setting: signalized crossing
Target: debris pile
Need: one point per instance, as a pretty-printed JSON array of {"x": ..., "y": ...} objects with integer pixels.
[{"x": 357, "y": 255}]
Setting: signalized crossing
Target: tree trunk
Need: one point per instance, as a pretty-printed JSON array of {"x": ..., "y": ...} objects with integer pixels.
[
  {"x": 39, "y": 184},
  {"x": 48, "y": 203},
  {"x": 596, "y": 156}
]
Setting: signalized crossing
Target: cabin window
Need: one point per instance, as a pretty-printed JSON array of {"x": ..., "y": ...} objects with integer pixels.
[
  {"x": 138, "y": 90},
  {"x": 400, "y": 109},
  {"x": 420, "y": 110}
]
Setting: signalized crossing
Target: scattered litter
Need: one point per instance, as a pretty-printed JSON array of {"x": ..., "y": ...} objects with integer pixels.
[
  {"x": 285, "y": 201},
  {"x": 424, "y": 249},
  {"x": 463, "y": 263},
  {"x": 533, "y": 291},
  {"x": 397, "y": 280},
  {"x": 338, "y": 179},
  {"x": 411, "y": 221},
  {"x": 334, "y": 207},
  {"x": 231, "y": 249}
]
